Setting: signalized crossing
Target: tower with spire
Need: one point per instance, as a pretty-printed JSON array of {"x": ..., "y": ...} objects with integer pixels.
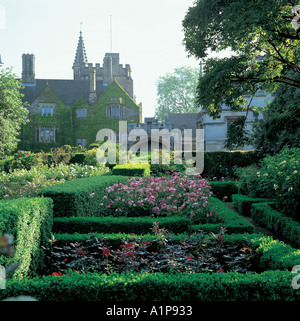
[
  {"x": 110, "y": 70},
  {"x": 80, "y": 61}
]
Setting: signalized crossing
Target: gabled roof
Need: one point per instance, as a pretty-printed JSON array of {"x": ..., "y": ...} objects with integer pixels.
[{"x": 68, "y": 91}]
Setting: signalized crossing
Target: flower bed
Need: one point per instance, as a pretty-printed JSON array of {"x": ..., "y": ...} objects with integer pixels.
[
  {"x": 200, "y": 252},
  {"x": 159, "y": 197}
]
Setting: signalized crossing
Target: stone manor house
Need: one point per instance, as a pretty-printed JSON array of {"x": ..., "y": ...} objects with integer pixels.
[{"x": 72, "y": 111}]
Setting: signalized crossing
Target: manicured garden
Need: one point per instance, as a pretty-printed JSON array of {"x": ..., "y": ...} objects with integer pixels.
[{"x": 87, "y": 232}]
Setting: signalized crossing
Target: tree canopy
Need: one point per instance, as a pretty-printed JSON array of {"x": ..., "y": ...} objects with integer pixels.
[
  {"x": 264, "y": 42},
  {"x": 177, "y": 92},
  {"x": 12, "y": 112}
]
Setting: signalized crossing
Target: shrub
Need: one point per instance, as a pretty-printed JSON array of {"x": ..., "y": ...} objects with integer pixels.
[
  {"x": 159, "y": 196},
  {"x": 26, "y": 160},
  {"x": 243, "y": 203},
  {"x": 132, "y": 170},
  {"x": 80, "y": 197},
  {"x": 30, "y": 223},
  {"x": 23, "y": 183},
  {"x": 223, "y": 189},
  {"x": 233, "y": 222},
  {"x": 137, "y": 225},
  {"x": 147, "y": 287},
  {"x": 264, "y": 215},
  {"x": 276, "y": 177},
  {"x": 223, "y": 163},
  {"x": 275, "y": 255}
]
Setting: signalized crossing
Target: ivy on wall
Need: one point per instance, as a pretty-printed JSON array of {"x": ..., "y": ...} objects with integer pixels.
[{"x": 70, "y": 127}]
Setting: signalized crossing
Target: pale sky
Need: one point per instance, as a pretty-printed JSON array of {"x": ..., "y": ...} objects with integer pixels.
[{"x": 146, "y": 33}]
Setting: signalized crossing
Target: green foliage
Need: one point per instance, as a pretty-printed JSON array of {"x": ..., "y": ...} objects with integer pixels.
[
  {"x": 275, "y": 255},
  {"x": 264, "y": 44},
  {"x": 30, "y": 223},
  {"x": 233, "y": 222},
  {"x": 80, "y": 197},
  {"x": 280, "y": 125},
  {"x": 12, "y": 112},
  {"x": 266, "y": 216},
  {"x": 276, "y": 177},
  {"x": 223, "y": 190},
  {"x": 243, "y": 203},
  {"x": 218, "y": 164},
  {"x": 176, "y": 91},
  {"x": 25, "y": 160},
  {"x": 58, "y": 155},
  {"x": 236, "y": 134},
  {"x": 146, "y": 287},
  {"x": 23, "y": 183},
  {"x": 132, "y": 170},
  {"x": 110, "y": 224}
]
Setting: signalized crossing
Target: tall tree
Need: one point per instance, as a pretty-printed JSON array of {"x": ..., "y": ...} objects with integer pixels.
[
  {"x": 264, "y": 42},
  {"x": 280, "y": 126},
  {"x": 12, "y": 112},
  {"x": 177, "y": 92}
]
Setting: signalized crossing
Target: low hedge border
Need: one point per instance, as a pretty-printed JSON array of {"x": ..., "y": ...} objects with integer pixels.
[
  {"x": 221, "y": 189},
  {"x": 243, "y": 203},
  {"x": 177, "y": 224},
  {"x": 264, "y": 215},
  {"x": 132, "y": 170},
  {"x": 108, "y": 224},
  {"x": 233, "y": 222},
  {"x": 29, "y": 220},
  {"x": 79, "y": 197},
  {"x": 267, "y": 286}
]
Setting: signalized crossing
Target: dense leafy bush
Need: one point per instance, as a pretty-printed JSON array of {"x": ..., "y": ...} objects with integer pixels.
[
  {"x": 234, "y": 222},
  {"x": 264, "y": 215},
  {"x": 131, "y": 170},
  {"x": 25, "y": 160},
  {"x": 108, "y": 224},
  {"x": 243, "y": 203},
  {"x": 223, "y": 163},
  {"x": 23, "y": 183},
  {"x": 30, "y": 223},
  {"x": 276, "y": 177},
  {"x": 149, "y": 287},
  {"x": 80, "y": 197},
  {"x": 223, "y": 189}
]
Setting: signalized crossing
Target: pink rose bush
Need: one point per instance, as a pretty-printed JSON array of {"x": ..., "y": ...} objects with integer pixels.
[{"x": 160, "y": 196}]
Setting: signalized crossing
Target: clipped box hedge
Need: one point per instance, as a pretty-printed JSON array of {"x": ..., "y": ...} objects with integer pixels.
[
  {"x": 132, "y": 170},
  {"x": 29, "y": 220},
  {"x": 243, "y": 203},
  {"x": 108, "y": 224},
  {"x": 222, "y": 163},
  {"x": 146, "y": 287},
  {"x": 264, "y": 215},
  {"x": 233, "y": 221},
  {"x": 79, "y": 197},
  {"x": 177, "y": 224},
  {"x": 221, "y": 189}
]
